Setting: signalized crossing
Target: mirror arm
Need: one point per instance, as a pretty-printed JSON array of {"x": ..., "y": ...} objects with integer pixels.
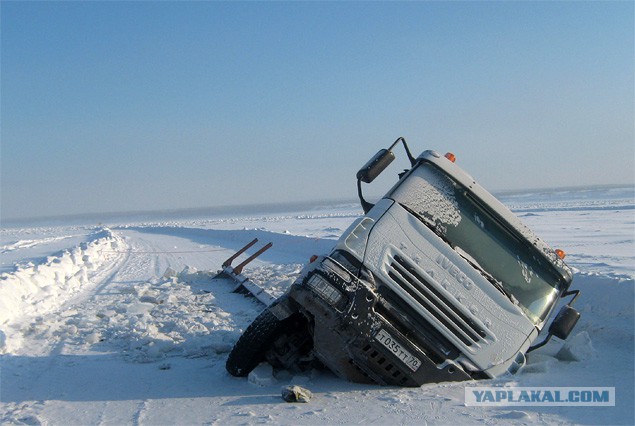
[
  {"x": 541, "y": 344},
  {"x": 376, "y": 165},
  {"x": 366, "y": 206},
  {"x": 405, "y": 146},
  {"x": 569, "y": 293},
  {"x": 544, "y": 342}
]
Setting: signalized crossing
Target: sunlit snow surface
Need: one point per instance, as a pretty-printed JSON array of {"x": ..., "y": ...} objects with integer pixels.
[{"x": 123, "y": 323}]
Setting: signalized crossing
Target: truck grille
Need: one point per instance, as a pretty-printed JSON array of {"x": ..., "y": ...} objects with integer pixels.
[
  {"x": 434, "y": 302},
  {"x": 414, "y": 327}
]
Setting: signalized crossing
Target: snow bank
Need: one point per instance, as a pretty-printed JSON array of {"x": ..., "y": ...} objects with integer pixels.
[{"x": 33, "y": 290}]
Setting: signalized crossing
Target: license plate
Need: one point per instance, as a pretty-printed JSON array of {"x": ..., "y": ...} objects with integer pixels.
[{"x": 398, "y": 350}]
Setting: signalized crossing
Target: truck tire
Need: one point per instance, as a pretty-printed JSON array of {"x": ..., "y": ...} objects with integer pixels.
[{"x": 250, "y": 349}]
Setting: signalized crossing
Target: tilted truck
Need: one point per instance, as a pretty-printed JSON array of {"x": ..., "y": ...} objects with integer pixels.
[{"x": 438, "y": 281}]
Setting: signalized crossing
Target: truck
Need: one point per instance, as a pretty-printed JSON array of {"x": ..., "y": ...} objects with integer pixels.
[{"x": 436, "y": 281}]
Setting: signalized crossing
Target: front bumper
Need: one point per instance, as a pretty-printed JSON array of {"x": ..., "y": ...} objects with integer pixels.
[{"x": 364, "y": 336}]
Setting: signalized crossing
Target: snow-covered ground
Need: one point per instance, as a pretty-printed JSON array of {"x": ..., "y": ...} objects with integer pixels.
[{"x": 125, "y": 323}]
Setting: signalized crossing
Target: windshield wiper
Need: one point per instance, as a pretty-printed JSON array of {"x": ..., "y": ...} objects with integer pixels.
[{"x": 499, "y": 285}]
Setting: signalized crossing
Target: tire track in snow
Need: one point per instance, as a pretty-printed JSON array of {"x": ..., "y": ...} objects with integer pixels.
[{"x": 137, "y": 418}]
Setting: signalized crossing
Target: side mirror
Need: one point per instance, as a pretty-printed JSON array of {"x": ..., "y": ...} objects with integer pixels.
[
  {"x": 375, "y": 166},
  {"x": 564, "y": 322}
]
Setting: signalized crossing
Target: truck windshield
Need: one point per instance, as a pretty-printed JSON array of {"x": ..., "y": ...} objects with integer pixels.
[{"x": 493, "y": 247}]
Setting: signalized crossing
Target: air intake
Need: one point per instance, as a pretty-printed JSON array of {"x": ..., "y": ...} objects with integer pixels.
[{"x": 424, "y": 295}]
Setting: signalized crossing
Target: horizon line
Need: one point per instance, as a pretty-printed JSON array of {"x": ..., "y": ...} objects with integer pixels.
[{"x": 282, "y": 204}]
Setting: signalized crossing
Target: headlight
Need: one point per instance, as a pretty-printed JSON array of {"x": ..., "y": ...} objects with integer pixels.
[
  {"x": 325, "y": 289},
  {"x": 336, "y": 269}
]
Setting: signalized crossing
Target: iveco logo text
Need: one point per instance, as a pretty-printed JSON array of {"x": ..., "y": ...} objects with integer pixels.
[{"x": 446, "y": 264}]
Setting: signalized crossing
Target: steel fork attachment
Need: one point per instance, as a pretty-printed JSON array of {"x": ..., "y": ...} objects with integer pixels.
[
  {"x": 244, "y": 285},
  {"x": 239, "y": 269}
]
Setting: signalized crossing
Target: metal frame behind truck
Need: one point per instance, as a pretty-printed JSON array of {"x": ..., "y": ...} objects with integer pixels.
[{"x": 438, "y": 281}]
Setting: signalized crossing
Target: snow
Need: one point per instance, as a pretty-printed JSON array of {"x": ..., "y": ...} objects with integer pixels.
[
  {"x": 126, "y": 324},
  {"x": 432, "y": 195}
]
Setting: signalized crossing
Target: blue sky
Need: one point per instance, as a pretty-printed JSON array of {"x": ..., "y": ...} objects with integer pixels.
[{"x": 117, "y": 106}]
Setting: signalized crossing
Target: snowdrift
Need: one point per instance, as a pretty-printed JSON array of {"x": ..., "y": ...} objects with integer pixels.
[{"x": 33, "y": 290}]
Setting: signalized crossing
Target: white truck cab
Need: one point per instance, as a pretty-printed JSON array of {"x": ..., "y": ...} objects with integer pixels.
[{"x": 438, "y": 281}]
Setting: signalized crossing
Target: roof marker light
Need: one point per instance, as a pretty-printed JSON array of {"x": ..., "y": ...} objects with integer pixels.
[
  {"x": 450, "y": 157},
  {"x": 561, "y": 254}
]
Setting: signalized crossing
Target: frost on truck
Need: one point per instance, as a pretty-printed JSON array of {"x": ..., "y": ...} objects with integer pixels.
[
  {"x": 438, "y": 281},
  {"x": 501, "y": 255}
]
